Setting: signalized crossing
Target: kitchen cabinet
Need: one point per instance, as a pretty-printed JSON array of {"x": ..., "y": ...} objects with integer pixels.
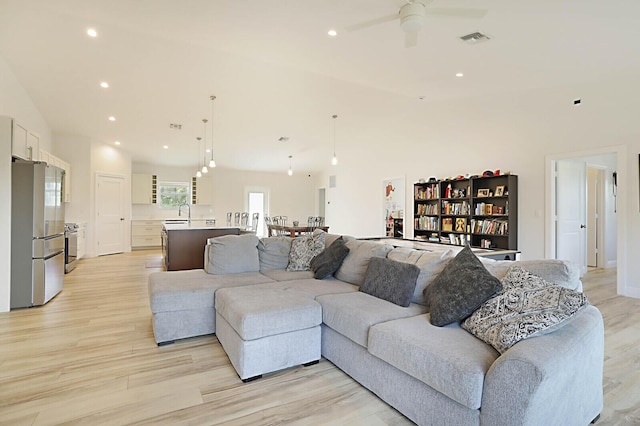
[
  {"x": 202, "y": 191},
  {"x": 183, "y": 245},
  {"x": 143, "y": 188},
  {"x": 146, "y": 233},
  {"x": 24, "y": 143}
]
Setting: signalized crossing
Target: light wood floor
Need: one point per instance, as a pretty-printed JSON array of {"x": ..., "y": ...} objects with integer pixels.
[{"x": 88, "y": 357}]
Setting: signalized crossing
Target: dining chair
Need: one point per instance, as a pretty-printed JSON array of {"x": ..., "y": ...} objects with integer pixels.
[
  {"x": 236, "y": 219},
  {"x": 229, "y": 218},
  {"x": 254, "y": 221},
  {"x": 244, "y": 220}
]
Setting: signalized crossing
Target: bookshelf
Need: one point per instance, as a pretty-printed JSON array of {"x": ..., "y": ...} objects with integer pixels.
[{"x": 480, "y": 211}]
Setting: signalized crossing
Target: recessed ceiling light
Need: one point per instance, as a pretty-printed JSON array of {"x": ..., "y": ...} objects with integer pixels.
[
  {"x": 104, "y": 85},
  {"x": 459, "y": 74},
  {"x": 332, "y": 33},
  {"x": 91, "y": 32},
  {"x": 165, "y": 146},
  {"x": 112, "y": 118},
  {"x": 117, "y": 142}
]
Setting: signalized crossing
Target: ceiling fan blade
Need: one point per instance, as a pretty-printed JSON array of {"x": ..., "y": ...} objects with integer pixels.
[
  {"x": 460, "y": 13},
  {"x": 411, "y": 39},
  {"x": 372, "y": 22}
]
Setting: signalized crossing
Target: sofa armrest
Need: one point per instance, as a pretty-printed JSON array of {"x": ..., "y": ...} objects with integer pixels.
[{"x": 553, "y": 379}]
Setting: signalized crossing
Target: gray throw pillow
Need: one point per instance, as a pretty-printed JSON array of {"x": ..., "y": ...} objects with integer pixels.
[
  {"x": 327, "y": 262},
  {"x": 390, "y": 280},
  {"x": 528, "y": 306},
  {"x": 462, "y": 286}
]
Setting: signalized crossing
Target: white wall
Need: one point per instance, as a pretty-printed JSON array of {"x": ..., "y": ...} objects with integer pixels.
[
  {"x": 14, "y": 102},
  {"x": 509, "y": 132},
  {"x": 293, "y": 196}
]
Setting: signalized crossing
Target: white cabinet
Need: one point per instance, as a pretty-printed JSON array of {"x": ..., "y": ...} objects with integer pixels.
[
  {"x": 82, "y": 240},
  {"x": 146, "y": 233},
  {"x": 143, "y": 188},
  {"x": 202, "y": 191},
  {"x": 24, "y": 144}
]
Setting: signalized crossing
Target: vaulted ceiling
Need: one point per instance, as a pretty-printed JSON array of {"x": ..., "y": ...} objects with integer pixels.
[{"x": 276, "y": 72}]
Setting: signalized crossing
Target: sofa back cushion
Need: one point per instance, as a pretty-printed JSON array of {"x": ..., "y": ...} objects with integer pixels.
[
  {"x": 561, "y": 272},
  {"x": 232, "y": 254},
  {"x": 354, "y": 266},
  {"x": 273, "y": 253},
  {"x": 431, "y": 263}
]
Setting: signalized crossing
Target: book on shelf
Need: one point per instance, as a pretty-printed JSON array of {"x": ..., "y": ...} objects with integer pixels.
[
  {"x": 447, "y": 224},
  {"x": 490, "y": 226}
]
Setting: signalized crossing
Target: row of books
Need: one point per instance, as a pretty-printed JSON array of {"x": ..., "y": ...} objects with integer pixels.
[
  {"x": 428, "y": 192},
  {"x": 490, "y": 226},
  {"x": 455, "y": 208},
  {"x": 427, "y": 209},
  {"x": 456, "y": 239},
  {"x": 490, "y": 209},
  {"x": 426, "y": 223}
]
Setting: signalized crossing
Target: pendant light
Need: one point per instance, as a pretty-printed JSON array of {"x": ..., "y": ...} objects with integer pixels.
[
  {"x": 290, "y": 171},
  {"x": 204, "y": 148},
  {"x": 334, "y": 160},
  {"x": 212, "y": 162},
  {"x": 198, "y": 173}
]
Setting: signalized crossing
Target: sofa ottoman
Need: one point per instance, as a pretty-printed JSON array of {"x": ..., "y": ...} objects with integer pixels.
[{"x": 267, "y": 329}]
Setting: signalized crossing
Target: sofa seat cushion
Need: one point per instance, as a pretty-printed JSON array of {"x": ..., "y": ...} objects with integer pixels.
[
  {"x": 314, "y": 288},
  {"x": 448, "y": 359},
  {"x": 352, "y": 314},
  {"x": 193, "y": 289},
  {"x": 283, "y": 275},
  {"x": 255, "y": 312}
]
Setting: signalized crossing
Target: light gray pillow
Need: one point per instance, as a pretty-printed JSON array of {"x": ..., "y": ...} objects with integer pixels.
[
  {"x": 390, "y": 280},
  {"x": 462, "y": 286},
  {"x": 431, "y": 263},
  {"x": 527, "y": 306},
  {"x": 233, "y": 254},
  {"x": 354, "y": 266},
  {"x": 305, "y": 248},
  {"x": 273, "y": 253}
]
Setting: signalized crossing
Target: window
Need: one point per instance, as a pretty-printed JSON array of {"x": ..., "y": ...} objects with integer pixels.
[{"x": 174, "y": 194}]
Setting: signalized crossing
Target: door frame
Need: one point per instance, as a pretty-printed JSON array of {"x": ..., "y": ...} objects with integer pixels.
[
  {"x": 550, "y": 206},
  {"x": 126, "y": 212},
  {"x": 267, "y": 200}
]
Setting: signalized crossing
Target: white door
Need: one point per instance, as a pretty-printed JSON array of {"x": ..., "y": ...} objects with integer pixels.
[
  {"x": 258, "y": 202},
  {"x": 109, "y": 214},
  {"x": 570, "y": 212}
]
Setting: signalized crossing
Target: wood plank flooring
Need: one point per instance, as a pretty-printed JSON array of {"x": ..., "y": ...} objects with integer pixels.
[{"x": 88, "y": 357}]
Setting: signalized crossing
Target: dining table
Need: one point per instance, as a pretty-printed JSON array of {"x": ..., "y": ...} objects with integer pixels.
[{"x": 294, "y": 231}]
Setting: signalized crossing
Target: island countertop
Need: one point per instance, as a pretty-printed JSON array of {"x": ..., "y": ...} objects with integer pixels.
[{"x": 194, "y": 224}]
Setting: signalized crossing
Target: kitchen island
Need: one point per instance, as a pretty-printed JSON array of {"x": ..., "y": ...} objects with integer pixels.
[{"x": 183, "y": 242}]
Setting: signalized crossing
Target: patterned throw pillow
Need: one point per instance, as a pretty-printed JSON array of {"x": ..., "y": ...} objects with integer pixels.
[
  {"x": 305, "y": 248},
  {"x": 527, "y": 306}
]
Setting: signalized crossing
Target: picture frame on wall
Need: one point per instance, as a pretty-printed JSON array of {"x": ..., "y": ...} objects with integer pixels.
[
  {"x": 499, "y": 190},
  {"x": 483, "y": 193}
]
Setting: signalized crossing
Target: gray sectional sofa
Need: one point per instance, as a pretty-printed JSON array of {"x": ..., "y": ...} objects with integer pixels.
[{"x": 433, "y": 375}]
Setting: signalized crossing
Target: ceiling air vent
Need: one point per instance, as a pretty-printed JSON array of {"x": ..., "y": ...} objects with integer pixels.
[
  {"x": 475, "y": 38},
  {"x": 175, "y": 126}
]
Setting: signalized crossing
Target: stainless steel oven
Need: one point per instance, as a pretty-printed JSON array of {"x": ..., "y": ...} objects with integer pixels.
[{"x": 70, "y": 246}]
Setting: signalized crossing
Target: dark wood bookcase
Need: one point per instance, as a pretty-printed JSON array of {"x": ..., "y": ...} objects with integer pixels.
[{"x": 480, "y": 211}]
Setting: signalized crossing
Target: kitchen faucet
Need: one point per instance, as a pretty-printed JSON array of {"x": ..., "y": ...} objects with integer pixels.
[{"x": 180, "y": 210}]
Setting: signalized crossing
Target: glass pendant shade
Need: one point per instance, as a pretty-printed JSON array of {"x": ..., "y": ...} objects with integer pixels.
[
  {"x": 204, "y": 169},
  {"x": 198, "y": 174},
  {"x": 212, "y": 163},
  {"x": 334, "y": 160}
]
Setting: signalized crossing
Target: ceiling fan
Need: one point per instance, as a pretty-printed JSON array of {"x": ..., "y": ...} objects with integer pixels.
[{"x": 412, "y": 16}]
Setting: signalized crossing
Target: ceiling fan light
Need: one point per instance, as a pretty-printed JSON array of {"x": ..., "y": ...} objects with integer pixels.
[
  {"x": 411, "y": 23},
  {"x": 212, "y": 163}
]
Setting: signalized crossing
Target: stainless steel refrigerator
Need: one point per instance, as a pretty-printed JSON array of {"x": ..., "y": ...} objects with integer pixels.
[{"x": 37, "y": 233}]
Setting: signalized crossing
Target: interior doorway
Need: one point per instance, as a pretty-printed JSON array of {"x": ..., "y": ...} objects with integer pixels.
[
  {"x": 321, "y": 202},
  {"x": 583, "y": 223}
]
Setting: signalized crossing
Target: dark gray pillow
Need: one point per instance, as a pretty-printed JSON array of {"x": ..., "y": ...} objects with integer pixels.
[
  {"x": 462, "y": 286},
  {"x": 390, "y": 280},
  {"x": 327, "y": 262}
]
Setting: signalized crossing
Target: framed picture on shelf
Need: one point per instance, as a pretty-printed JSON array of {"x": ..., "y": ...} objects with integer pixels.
[
  {"x": 461, "y": 224},
  {"x": 499, "y": 191},
  {"x": 483, "y": 192}
]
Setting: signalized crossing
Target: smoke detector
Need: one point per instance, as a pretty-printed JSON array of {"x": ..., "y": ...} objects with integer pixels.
[{"x": 475, "y": 38}]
